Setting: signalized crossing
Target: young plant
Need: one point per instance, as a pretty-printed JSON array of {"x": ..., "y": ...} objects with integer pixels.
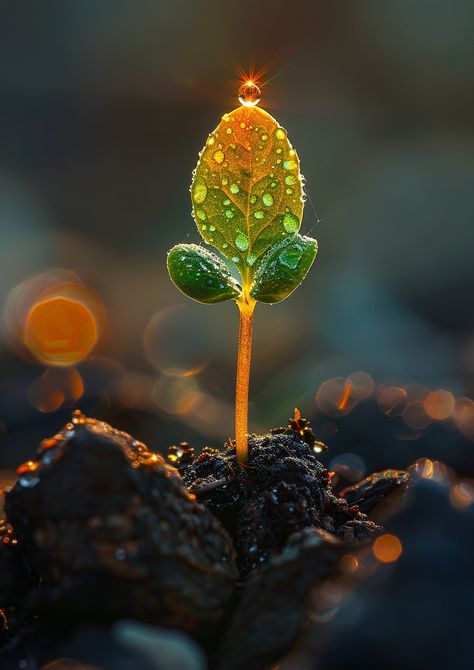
[{"x": 247, "y": 195}]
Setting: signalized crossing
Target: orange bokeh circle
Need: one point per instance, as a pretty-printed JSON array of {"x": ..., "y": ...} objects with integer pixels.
[{"x": 60, "y": 331}]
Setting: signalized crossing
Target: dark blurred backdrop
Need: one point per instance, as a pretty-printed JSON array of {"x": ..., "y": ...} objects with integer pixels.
[{"x": 103, "y": 109}]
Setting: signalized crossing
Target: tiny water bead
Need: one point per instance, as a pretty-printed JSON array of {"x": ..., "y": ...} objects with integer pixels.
[
  {"x": 234, "y": 188},
  {"x": 219, "y": 157},
  {"x": 280, "y": 134},
  {"x": 249, "y": 94},
  {"x": 259, "y": 214},
  {"x": 199, "y": 191},
  {"x": 290, "y": 223},
  {"x": 241, "y": 242},
  {"x": 267, "y": 199}
]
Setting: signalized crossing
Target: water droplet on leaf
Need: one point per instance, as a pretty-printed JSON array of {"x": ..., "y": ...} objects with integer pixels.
[
  {"x": 241, "y": 242},
  {"x": 249, "y": 94},
  {"x": 199, "y": 191},
  {"x": 290, "y": 223}
]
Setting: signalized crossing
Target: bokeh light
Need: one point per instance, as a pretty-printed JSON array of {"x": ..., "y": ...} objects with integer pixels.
[
  {"x": 60, "y": 331},
  {"x": 177, "y": 341},
  {"x": 415, "y": 415},
  {"x": 463, "y": 415},
  {"x": 55, "y": 318},
  {"x": 392, "y": 400},
  {"x": 55, "y": 388},
  {"x": 439, "y": 404},
  {"x": 462, "y": 495},
  {"x": 387, "y": 548},
  {"x": 334, "y": 397}
]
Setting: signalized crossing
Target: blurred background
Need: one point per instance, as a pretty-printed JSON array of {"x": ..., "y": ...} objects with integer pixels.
[{"x": 104, "y": 107}]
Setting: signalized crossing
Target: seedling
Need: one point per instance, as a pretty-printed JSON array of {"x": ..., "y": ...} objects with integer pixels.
[{"x": 247, "y": 195}]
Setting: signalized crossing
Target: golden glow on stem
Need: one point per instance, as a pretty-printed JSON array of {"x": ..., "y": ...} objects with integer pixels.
[{"x": 246, "y": 307}]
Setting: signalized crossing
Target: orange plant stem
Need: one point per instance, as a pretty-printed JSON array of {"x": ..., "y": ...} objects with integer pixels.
[{"x": 246, "y": 309}]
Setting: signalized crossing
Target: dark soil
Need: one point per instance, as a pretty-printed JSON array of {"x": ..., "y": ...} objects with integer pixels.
[
  {"x": 282, "y": 489},
  {"x": 99, "y": 529}
]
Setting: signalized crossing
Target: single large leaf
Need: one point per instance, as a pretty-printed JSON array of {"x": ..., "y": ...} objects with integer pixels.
[{"x": 247, "y": 189}]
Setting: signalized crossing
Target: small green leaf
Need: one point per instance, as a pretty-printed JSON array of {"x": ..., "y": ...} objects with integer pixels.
[
  {"x": 200, "y": 274},
  {"x": 283, "y": 268}
]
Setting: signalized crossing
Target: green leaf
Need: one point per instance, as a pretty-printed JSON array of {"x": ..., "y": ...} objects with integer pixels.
[
  {"x": 247, "y": 190},
  {"x": 200, "y": 274},
  {"x": 283, "y": 268}
]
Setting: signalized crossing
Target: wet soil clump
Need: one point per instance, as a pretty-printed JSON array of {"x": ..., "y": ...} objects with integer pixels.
[{"x": 282, "y": 489}]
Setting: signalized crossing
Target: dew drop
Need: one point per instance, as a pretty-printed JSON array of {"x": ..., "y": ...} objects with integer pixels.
[
  {"x": 224, "y": 181},
  {"x": 290, "y": 223},
  {"x": 267, "y": 199},
  {"x": 212, "y": 228},
  {"x": 229, "y": 214},
  {"x": 290, "y": 179},
  {"x": 201, "y": 214},
  {"x": 199, "y": 191},
  {"x": 219, "y": 157},
  {"x": 242, "y": 125},
  {"x": 280, "y": 134},
  {"x": 241, "y": 242},
  {"x": 290, "y": 165},
  {"x": 289, "y": 191},
  {"x": 249, "y": 94},
  {"x": 229, "y": 131},
  {"x": 235, "y": 259},
  {"x": 253, "y": 199},
  {"x": 28, "y": 480},
  {"x": 234, "y": 188},
  {"x": 264, "y": 137},
  {"x": 227, "y": 201},
  {"x": 210, "y": 140},
  {"x": 251, "y": 258},
  {"x": 258, "y": 214}
]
